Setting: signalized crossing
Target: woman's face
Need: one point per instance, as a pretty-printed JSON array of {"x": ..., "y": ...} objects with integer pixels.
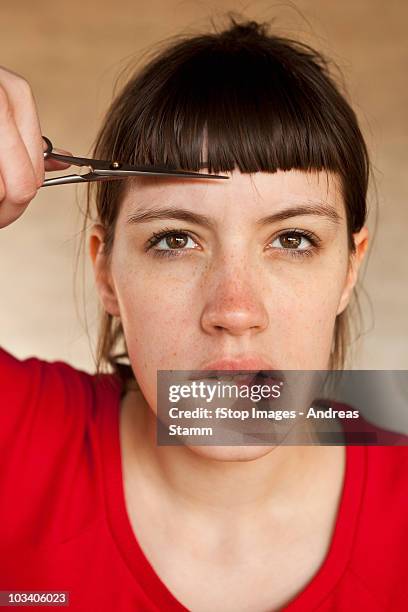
[{"x": 258, "y": 266}]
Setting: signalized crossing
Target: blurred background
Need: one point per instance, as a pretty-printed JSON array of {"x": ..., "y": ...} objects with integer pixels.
[{"x": 72, "y": 53}]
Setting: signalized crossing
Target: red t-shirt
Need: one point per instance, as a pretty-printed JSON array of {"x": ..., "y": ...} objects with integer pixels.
[{"x": 64, "y": 524}]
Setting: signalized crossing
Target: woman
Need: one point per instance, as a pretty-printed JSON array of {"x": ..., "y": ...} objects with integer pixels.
[{"x": 255, "y": 272}]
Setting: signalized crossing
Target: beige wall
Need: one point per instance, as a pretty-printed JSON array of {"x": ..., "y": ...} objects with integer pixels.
[{"x": 71, "y": 53}]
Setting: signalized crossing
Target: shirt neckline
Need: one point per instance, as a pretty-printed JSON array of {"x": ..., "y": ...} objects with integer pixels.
[{"x": 320, "y": 586}]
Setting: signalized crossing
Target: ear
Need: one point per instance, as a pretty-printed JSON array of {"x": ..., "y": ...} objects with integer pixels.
[
  {"x": 361, "y": 242},
  {"x": 101, "y": 266}
]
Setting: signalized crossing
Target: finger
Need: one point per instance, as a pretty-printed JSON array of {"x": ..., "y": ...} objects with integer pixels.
[
  {"x": 2, "y": 192},
  {"x": 24, "y": 110},
  {"x": 54, "y": 164},
  {"x": 16, "y": 169}
]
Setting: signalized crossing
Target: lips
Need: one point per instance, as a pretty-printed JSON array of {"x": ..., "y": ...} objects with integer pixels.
[{"x": 242, "y": 370}]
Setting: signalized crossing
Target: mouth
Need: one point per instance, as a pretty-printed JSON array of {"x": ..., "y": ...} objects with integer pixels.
[{"x": 243, "y": 377}]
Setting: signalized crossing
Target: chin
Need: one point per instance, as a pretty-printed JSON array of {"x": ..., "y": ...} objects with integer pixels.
[{"x": 232, "y": 453}]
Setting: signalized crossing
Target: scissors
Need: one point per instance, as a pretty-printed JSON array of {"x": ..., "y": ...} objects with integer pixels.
[{"x": 107, "y": 170}]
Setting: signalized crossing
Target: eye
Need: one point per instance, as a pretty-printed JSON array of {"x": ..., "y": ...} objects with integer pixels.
[
  {"x": 297, "y": 243},
  {"x": 172, "y": 242}
]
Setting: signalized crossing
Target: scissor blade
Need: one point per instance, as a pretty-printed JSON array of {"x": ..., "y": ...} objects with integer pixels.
[
  {"x": 155, "y": 171},
  {"x": 78, "y": 178},
  {"x": 115, "y": 175},
  {"x": 62, "y": 180},
  {"x": 73, "y": 160}
]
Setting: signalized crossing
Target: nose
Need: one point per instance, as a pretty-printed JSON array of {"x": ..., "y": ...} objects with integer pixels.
[{"x": 234, "y": 306}]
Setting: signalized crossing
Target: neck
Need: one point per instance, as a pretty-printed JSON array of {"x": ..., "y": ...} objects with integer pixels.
[{"x": 208, "y": 486}]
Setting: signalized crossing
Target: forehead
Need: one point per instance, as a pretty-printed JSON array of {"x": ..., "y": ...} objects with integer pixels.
[{"x": 240, "y": 193}]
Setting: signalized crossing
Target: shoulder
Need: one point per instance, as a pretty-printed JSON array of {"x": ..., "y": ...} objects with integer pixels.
[
  {"x": 50, "y": 417},
  {"x": 49, "y": 392}
]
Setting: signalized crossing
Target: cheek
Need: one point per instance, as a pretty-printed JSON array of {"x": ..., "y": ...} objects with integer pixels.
[
  {"x": 307, "y": 315},
  {"x": 152, "y": 314},
  {"x": 153, "y": 311}
]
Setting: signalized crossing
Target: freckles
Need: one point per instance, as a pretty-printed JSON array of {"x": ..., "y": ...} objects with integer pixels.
[{"x": 304, "y": 309}]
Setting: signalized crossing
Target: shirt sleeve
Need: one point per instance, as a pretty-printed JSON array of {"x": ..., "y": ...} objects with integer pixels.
[
  {"x": 33, "y": 390},
  {"x": 45, "y": 423}
]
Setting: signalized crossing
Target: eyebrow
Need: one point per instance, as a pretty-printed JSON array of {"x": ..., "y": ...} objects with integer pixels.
[{"x": 314, "y": 209}]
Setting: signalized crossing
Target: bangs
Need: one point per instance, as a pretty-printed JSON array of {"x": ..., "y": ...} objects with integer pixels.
[{"x": 232, "y": 108}]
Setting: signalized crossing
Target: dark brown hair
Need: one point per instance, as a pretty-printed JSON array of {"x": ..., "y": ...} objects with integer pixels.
[{"x": 238, "y": 98}]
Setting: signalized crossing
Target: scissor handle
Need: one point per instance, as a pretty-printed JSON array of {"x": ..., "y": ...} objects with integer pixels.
[
  {"x": 49, "y": 148},
  {"x": 71, "y": 160}
]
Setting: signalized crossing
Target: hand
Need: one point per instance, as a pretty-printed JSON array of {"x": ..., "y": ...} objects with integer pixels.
[{"x": 22, "y": 163}]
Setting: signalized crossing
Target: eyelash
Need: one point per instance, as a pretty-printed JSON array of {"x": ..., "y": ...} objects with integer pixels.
[{"x": 158, "y": 236}]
